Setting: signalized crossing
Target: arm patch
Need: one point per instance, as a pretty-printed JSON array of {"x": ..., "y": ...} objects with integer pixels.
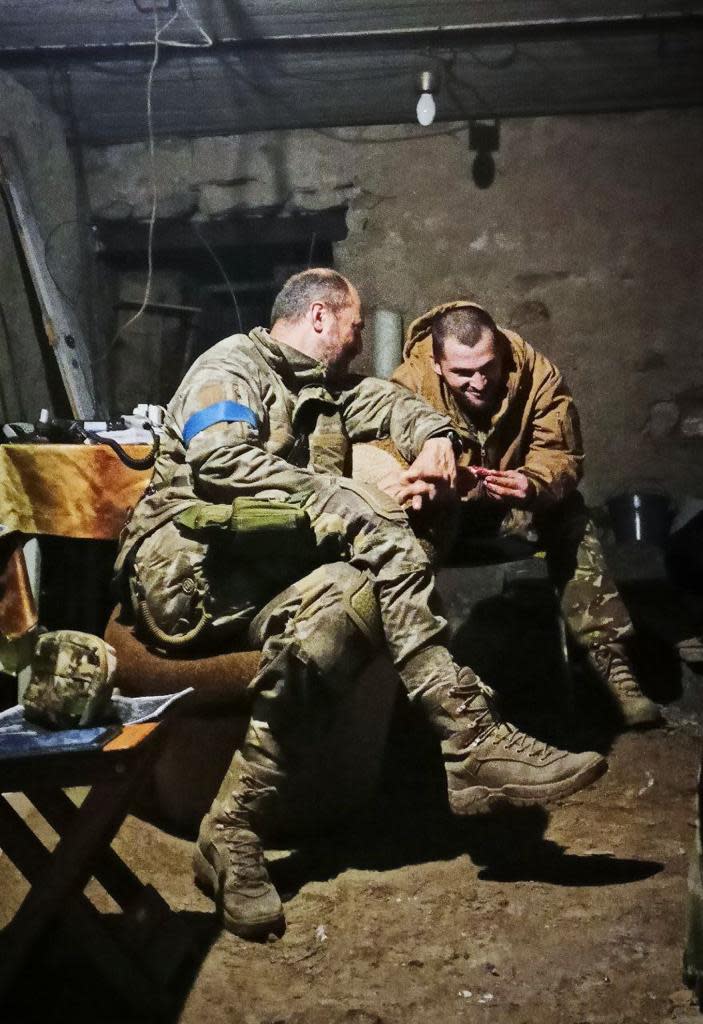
[{"x": 220, "y": 412}]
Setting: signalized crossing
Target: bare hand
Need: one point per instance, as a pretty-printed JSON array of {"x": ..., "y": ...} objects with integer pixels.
[
  {"x": 431, "y": 477},
  {"x": 509, "y": 486},
  {"x": 466, "y": 480},
  {"x": 416, "y": 493},
  {"x": 436, "y": 463}
]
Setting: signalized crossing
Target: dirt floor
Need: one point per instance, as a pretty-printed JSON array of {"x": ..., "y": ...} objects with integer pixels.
[
  {"x": 573, "y": 915},
  {"x": 576, "y": 915}
]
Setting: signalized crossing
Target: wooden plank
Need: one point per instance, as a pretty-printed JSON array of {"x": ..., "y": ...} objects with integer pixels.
[
  {"x": 130, "y": 237},
  {"x": 139, "y": 746},
  {"x": 116, "y": 878},
  {"x": 131, "y": 737},
  {"x": 60, "y": 323}
]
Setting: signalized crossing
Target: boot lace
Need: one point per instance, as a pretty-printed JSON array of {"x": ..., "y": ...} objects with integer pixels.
[
  {"x": 613, "y": 665},
  {"x": 481, "y": 701},
  {"x": 247, "y": 859},
  {"x": 251, "y": 797}
]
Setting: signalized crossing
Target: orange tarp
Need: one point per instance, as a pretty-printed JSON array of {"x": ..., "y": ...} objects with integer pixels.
[{"x": 69, "y": 490}]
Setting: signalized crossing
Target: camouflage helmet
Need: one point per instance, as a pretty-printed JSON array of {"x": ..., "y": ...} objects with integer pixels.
[{"x": 71, "y": 680}]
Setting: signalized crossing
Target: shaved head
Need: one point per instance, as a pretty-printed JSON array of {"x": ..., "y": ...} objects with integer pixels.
[{"x": 466, "y": 325}]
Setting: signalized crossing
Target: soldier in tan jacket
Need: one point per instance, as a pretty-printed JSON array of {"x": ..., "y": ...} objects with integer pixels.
[
  {"x": 521, "y": 463},
  {"x": 251, "y": 532}
]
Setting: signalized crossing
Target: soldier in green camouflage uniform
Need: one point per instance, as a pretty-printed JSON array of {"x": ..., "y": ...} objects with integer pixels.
[
  {"x": 522, "y": 461},
  {"x": 250, "y": 530}
]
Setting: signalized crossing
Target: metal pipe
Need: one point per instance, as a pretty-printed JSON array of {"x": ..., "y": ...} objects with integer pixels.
[{"x": 387, "y": 351}]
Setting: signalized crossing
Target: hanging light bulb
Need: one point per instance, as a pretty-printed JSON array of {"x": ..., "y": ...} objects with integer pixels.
[{"x": 426, "y": 107}]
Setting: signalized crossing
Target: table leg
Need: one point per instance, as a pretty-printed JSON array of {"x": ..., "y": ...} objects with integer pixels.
[
  {"x": 63, "y": 874},
  {"x": 154, "y": 925}
]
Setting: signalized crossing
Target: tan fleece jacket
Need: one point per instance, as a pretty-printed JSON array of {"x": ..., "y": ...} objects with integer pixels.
[{"x": 536, "y": 427}]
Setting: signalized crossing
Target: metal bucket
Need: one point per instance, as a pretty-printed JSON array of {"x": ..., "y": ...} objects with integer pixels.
[{"x": 643, "y": 516}]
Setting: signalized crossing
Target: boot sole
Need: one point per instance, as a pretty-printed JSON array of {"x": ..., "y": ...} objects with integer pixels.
[
  {"x": 482, "y": 800},
  {"x": 207, "y": 881},
  {"x": 643, "y": 720}
]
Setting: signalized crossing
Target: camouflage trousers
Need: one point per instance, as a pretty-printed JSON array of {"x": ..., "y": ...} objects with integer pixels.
[
  {"x": 592, "y": 608},
  {"x": 381, "y": 592},
  {"x": 315, "y": 633}
]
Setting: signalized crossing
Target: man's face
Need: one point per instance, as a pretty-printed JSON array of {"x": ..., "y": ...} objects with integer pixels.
[
  {"x": 474, "y": 375},
  {"x": 341, "y": 341}
]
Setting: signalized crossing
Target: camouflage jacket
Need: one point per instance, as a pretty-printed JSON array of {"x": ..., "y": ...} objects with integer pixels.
[
  {"x": 535, "y": 428},
  {"x": 295, "y": 438}
]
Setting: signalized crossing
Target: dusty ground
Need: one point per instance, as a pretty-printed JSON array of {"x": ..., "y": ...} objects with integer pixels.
[
  {"x": 569, "y": 918},
  {"x": 572, "y": 916},
  {"x": 576, "y": 916}
]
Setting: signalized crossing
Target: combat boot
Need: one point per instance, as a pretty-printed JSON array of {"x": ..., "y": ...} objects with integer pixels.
[
  {"x": 490, "y": 762},
  {"x": 613, "y": 667},
  {"x": 229, "y": 862}
]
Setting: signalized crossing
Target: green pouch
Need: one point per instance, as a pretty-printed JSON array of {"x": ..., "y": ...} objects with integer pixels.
[
  {"x": 258, "y": 516},
  {"x": 275, "y": 536},
  {"x": 247, "y": 516}
]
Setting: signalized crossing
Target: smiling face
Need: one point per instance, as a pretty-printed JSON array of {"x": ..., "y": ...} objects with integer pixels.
[{"x": 473, "y": 373}]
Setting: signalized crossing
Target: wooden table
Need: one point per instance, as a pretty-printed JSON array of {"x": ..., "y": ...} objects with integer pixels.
[
  {"x": 76, "y": 491},
  {"x": 137, "y": 971}
]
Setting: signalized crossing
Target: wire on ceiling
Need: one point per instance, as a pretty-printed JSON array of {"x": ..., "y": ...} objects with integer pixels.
[{"x": 181, "y": 7}]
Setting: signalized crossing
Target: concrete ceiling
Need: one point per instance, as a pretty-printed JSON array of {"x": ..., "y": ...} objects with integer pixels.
[{"x": 302, "y": 63}]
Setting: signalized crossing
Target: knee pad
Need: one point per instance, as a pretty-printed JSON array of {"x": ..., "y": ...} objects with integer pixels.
[
  {"x": 362, "y": 608},
  {"x": 339, "y": 629}
]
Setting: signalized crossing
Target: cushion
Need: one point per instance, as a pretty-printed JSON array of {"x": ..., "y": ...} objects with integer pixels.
[{"x": 218, "y": 679}]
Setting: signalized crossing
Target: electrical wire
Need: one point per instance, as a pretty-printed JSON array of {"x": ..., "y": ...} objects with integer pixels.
[
  {"x": 238, "y": 72},
  {"x": 154, "y": 190},
  {"x": 180, "y": 43},
  {"x": 158, "y": 41},
  {"x": 72, "y": 300},
  {"x": 223, "y": 272},
  {"x": 206, "y": 42},
  {"x": 311, "y": 253},
  {"x": 330, "y": 133},
  {"x": 419, "y": 134}
]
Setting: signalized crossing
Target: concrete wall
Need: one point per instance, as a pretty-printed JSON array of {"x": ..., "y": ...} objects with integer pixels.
[
  {"x": 50, "y": 178},
  {"x": 589, "y": 242}
]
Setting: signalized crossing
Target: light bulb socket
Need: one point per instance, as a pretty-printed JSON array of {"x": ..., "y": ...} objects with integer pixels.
[{"x": 427, "y": 81}]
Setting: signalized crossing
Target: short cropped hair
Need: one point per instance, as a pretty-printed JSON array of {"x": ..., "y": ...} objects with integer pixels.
[
  {"x": 466, "y": 324},
  {"x": 317, "y": 285}
]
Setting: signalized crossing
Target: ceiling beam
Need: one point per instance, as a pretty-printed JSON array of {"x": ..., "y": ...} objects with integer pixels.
[
  {"x": 65, "y": 24},
  {"x": 195, "y": 94},
  {"x": 312, "y": 64},
  {"x": 484, "y": 30},
  {"x": 126, "y": 239}
]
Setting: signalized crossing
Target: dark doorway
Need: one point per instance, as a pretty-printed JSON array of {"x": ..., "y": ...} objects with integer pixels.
[{"x": 224, "y": 275}]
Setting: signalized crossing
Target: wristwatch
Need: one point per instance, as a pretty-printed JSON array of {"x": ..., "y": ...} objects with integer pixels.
[{"x": 457, "y": 443}]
